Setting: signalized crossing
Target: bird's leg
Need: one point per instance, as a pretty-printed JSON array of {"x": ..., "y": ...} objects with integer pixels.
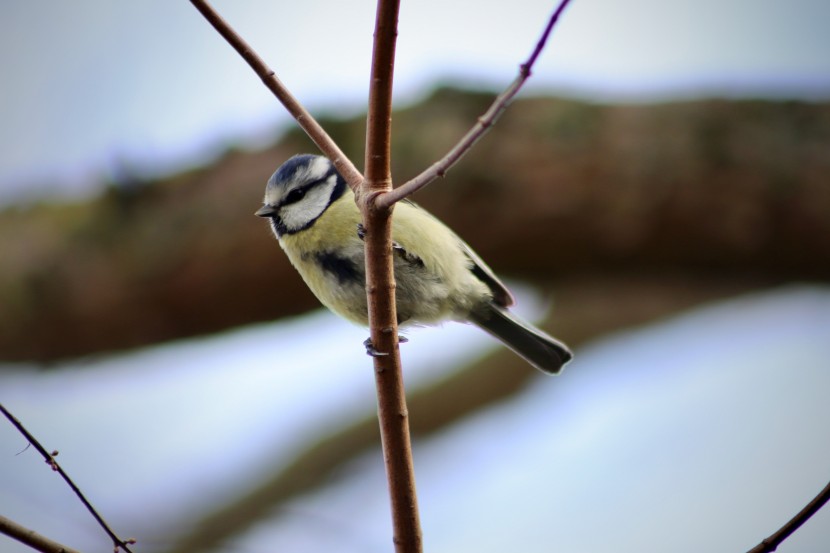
[{"x": 370, "y": 347}]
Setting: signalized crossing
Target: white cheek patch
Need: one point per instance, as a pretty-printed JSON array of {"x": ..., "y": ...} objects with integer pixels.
[{"x": 298, "y": 215}]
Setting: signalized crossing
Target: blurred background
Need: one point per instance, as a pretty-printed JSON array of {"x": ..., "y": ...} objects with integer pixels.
[{"x": 658, "y": 197}]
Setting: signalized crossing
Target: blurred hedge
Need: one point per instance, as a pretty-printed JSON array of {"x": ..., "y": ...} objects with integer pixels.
[{"x": 559, "y": 191}]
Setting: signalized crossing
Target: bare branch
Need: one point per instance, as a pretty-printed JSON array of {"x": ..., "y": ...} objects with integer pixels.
[
  {"x": 292, "y": 105},
  {"x": 379, "y": 117},
  {"x": 380, "y": 287},
  {"x": 771, "y": 543},
  {"x": 32, "y": 538},
  {"x": 440, "y": 168},
  {"x": 50, "y": 460}
]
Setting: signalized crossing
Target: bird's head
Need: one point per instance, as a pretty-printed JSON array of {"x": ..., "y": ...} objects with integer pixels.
[{"x": 299, "y": 192}]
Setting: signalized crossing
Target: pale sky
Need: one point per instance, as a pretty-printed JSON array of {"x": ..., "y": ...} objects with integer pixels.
[{"x": 93, "y": 83}]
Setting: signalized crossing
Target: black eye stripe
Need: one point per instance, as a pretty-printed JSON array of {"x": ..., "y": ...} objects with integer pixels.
[
  {"x": 295, "y": 195},
  {"x": 299, "y": 193}
]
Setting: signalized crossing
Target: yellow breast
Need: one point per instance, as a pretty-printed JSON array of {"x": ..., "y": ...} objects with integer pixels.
[{"x": 440, "y": 287}]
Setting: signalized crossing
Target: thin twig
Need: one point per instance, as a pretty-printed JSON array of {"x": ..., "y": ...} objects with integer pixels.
[
  {"x": 292, "y": 105},
  {"x": 440, "y": 168},
  {"x": 32, "y": 538},
  {"x": 50, "y": 460},
  {"x": 393, "y": 414},
  {"x": 772, "y": 542}
]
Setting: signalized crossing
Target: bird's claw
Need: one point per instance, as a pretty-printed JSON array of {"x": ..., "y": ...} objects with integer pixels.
[
  {"x": 372, "y": 352},
  {"x": 370, "y": 349}
]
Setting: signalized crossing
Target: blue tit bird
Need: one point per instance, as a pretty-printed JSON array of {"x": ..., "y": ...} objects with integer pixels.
[{"x": 313, "y": 214}]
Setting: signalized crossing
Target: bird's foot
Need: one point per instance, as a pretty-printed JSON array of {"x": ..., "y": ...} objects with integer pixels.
[
  {"x": 370, "y": 349},
  {"x": 372, "y": 352}
]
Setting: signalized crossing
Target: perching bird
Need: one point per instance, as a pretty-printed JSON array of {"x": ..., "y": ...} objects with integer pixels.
[{"x": 314, "y": 216}]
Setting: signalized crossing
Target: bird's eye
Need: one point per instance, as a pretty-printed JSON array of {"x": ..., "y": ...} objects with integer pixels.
[{"x": 294, "y": 196}]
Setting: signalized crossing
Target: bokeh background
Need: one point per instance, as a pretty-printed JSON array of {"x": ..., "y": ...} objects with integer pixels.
[{"x": 658, "y": 196}]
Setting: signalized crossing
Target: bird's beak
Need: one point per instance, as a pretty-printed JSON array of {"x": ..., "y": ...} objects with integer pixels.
[{"x": 266, "y": 211}]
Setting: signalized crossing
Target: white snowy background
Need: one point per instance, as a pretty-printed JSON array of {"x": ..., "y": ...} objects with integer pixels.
[{"x": 704, "y": 432}]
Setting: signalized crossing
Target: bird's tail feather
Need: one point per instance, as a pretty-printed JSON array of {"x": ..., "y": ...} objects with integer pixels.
[{"x": 540, "y": 350}]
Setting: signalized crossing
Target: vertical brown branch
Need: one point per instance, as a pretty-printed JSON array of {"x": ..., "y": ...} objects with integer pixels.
[
  {"x": 379, "y": 118},
  {"x": 380, "y": 287}
]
